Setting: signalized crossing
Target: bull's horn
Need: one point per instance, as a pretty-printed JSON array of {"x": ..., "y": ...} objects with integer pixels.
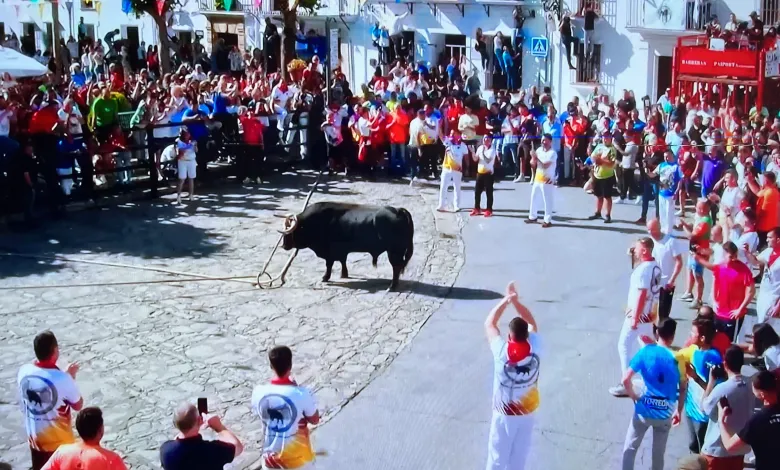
[
  {"x": 290, "y": 223},
  {"x": 280, "y": 216}
]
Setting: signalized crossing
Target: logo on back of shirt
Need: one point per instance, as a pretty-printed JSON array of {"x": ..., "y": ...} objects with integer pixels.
[
  {"x": 39, "y": 396},
  {"x": 655, "y": 283},
  {"x": 521, "y": 374},
  {"x": 278, "y": 413}
]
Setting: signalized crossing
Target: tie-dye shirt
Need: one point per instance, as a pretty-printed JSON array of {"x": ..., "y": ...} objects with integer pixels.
[
  {"x": 515, "y": 384},
  {"x": 283, "y": 407},
  {"x": 45, "y": 397}
]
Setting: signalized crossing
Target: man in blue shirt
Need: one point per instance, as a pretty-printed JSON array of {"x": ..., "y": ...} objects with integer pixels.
[
  {"x": 659, "y": 406},
  {"x": 453, "y": 71}
]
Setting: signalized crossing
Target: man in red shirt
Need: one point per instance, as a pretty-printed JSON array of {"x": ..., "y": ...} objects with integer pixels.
[
  {"x": 87, "y": 454},
  {"x": 575, "y": 143},
  {"x": 733, "y": 289},
  {"x": 43, "y": 126},
  {"x": 397, "y": 125}
]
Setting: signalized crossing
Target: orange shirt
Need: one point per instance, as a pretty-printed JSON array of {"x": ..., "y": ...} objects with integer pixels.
[
  {"x": 766, "y": 209},
  {"x": 399, "y": 126},
  {"x": 81, "y": 456}
]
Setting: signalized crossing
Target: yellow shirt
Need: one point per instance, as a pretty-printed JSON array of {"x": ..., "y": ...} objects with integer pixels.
[
  {"x": 603, "y": 172},
  {"x": 467, "y": 124}
]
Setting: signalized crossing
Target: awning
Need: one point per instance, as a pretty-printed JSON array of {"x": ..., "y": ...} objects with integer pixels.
[{"x": 19, "y": 65}]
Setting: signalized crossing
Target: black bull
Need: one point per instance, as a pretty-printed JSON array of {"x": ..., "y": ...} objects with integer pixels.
[{"x": 333, "y": 230}]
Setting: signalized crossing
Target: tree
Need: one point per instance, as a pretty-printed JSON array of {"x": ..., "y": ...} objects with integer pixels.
[
  {"x": 290, "y": 25},
  {"x": 151, "y": 8}
]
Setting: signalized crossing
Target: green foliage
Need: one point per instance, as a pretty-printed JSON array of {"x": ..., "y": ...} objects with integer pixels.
[
  {"x": 150, "y": 6},
  {"x": 310, "y": 5}
]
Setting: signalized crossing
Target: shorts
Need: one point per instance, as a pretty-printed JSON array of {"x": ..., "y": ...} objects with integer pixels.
[
  {"x": 603, "y": 188},
  {"x": 725, "y": 463},
  {"x": 695, "y": 266},
  {"x": 187, "y": 169}
]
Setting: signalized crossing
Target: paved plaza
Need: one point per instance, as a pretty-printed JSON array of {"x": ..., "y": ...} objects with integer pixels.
[
  {"x": 394, "y": 399},
  {"x": 146, "y": 347}
]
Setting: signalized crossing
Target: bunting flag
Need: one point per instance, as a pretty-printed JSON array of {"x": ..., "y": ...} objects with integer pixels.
[
  {"x": 127, "y": 6},
  {"x": 228, "y": 5},
  {"x": 40, "y": 9},
  {"x": 69, "y": 6},
  {"x": 98, "y": 6},
  {"x": 258, "y": 3},
  {"x": 160, "y": 6}
]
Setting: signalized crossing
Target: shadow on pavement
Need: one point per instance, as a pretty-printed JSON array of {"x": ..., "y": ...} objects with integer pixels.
[
  {"x": 157, "y": 229},
  {"x": 416, "y": 287}
]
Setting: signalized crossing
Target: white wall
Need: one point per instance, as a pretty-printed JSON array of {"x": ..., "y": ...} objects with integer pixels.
[
  {"x": 629, "y": 59},
  {"x": 110, "y": 18},
  {"x": 430, "y": 28}
]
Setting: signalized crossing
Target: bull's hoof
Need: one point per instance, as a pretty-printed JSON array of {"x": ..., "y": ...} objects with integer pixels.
[
  {"x": 345, "y": 276},
  {"x": 325, "y": 278},
  {"x": 393, "y": 287}
]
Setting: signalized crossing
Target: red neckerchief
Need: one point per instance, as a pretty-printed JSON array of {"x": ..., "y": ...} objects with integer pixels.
[
  {"x": 772, "y": 257},
  {"x": 283, "y": 381},
  {"x": 516, "y": 351},
  {"x": 46, "y": 365}
]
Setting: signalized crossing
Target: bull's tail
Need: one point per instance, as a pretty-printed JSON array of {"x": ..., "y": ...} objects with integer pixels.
[{"x": 409, "y": 251}]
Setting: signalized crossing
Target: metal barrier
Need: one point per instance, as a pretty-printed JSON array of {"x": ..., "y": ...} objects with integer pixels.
[{"x": 225, "y": 146}]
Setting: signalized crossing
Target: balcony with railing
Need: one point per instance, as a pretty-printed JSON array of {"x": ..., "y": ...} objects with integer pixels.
[
  {"x": 668, "y": 17},
  {"x": 228, "y": 7},
  {"x": 327, "y": 8}
]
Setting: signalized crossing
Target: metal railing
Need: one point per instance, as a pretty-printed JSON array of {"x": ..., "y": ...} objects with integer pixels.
[
  {"x": 331, "y": 7},
  {"x": 684, "y": 16},
  {"x": 770, "y": 12},
  {"x": 238, "y": 6}
]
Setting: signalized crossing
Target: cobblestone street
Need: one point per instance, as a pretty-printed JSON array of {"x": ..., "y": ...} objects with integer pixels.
[{"x": 144, "y": 348}]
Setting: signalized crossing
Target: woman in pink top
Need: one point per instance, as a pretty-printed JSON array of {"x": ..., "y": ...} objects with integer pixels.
[{"x": 732, "y": 291}]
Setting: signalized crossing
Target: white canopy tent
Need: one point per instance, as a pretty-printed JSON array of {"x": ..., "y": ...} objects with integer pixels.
[{"x": 19, "y": 65}]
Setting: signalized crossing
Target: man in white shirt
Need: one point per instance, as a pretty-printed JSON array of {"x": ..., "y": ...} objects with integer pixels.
[
  {"x": 667, "y": 252},
  {"x": 515, "y": 384},
  {"x": 286, "y": 409},
  {"x": 553, "y": 126},
  {"x": 544, "y": 159},
  {"x": 643, "y": 293},
  {"x": 47, "y": 395},
  {"x": 415, "y": 132},
  {"x": 197, "y": 74},
  {"x": 428, "y": 138},
  {"x": 451, "y": 170}
]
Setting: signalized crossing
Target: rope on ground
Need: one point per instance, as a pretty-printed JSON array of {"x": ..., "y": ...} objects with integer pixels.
[
  {"x": 197, "y": 277},
  {"x": 269, "y": 282}
]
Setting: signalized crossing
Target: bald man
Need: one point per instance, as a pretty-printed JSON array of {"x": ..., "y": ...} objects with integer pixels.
[
  {"x": 189, "y": 450},
  {"x": 667, "y": 252}
]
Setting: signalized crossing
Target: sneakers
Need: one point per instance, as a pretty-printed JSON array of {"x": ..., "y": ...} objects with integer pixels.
[
  {"x": 696, "y": 304},
  {"x": 608, "y": 219},
  {"x": 618, "y": 391},
  {"x": 641, "y": 221},
  {"x": 488, "y": 213},
  {"x": 247, "y": 180},
  {"x": 475, "y": 212},
  {"x": 456, "y": 209},
  {"x": 687, "y": 297},
  {"x": 546, "y": 225},
  {"x": 440, "y": 209},
  {"x": 530, "y": 221},
  {"x": 595, "y": 216},
  {"x": 638, "y": 201},
  {"x": 518, "y": 179}
]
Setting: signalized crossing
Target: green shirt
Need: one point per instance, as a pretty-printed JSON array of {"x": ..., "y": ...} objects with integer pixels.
[
  {"x": 603, "y": 172},
  {"x": 105, "y": 111},
  {"x": 140, "y": 115}
]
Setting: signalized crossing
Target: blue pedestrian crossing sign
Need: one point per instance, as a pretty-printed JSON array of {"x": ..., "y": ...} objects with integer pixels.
[{"x": 539, "y": 46}]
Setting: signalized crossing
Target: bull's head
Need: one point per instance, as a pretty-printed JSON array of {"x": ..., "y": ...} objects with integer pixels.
[{"x": 290, "y": 224}]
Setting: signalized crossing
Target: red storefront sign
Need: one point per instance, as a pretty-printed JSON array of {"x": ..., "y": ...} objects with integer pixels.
[{"x": 704, "y": 62}]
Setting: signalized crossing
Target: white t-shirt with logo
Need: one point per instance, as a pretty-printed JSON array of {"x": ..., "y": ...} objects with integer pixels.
[
  {"x": 486, "y": 158},
  {"x": 45, "y": 397},
  {"x": 282, "y": 408},
  {"x": 665, "y": 251},
  {"x": 453, "y": 155},
  {"x": 646, "y": 276},
  {"x": 72, "y": 119},
  {"x": 281, "y": 96},
  {"x": 515, "y": 385},
  {"x": 545, "y": 175}
]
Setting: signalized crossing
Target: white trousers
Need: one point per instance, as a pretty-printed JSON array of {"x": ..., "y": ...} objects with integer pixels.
[
  {"x": 629, "y": 343},
  {"x": 542, "y": 194},
  {"x": 66, "y": 183},
  {"x": 666, "y": 213},
  {"x": 509, "y": 442},
  {"x": 449, "y": 177}
]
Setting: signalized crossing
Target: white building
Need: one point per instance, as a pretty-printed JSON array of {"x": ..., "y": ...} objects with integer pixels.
[
  {"x": 634, "y": 44},
  {"x": 444, "y": 28}
]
